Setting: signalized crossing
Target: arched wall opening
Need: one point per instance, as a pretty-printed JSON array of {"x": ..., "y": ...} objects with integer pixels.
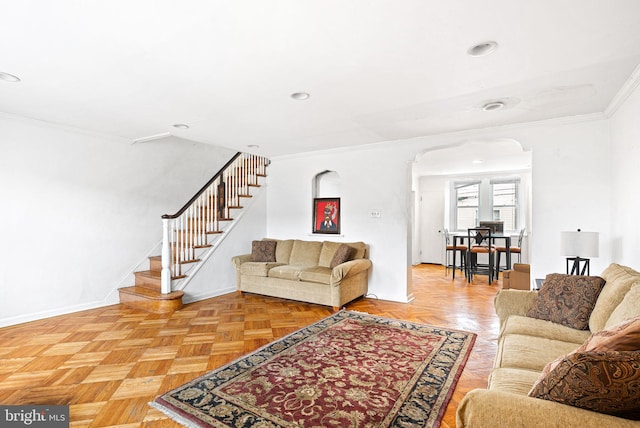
[{"x": 483, "y": 166}]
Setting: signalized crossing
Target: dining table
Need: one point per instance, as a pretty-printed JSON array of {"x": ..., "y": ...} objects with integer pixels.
[{"x": 506, "y": 238}]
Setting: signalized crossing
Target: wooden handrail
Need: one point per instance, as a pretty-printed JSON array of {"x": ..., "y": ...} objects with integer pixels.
[{"x": 201, "y": 191}]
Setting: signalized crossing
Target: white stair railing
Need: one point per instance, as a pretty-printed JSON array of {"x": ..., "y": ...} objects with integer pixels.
[{"x": 190, "y": 229}]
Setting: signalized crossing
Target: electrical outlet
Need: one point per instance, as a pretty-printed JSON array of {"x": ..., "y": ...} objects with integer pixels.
[{"x": 375, "y": 213}]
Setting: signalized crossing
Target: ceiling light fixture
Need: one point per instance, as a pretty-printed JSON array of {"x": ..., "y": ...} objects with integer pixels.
[
  {"x": 482, "y": 49},
  {"x": 493, "y": 106},
  {"x": 7, "y": 77},
  {"x": 181, "y": 126},
  {"x": 253, "y": 146},
  {"x": 300, "y": 96}
]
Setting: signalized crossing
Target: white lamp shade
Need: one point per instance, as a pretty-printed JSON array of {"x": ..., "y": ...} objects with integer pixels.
[{"x": 579, "y": 244}]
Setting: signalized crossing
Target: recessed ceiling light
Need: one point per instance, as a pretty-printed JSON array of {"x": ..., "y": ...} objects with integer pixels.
[
  {"x": 253, "y": 146},
  {"x": 8, "y": 77},
  {"x": 300, "y": 96},
  {"x": 181, "y": 126},
  {"x": 493, "y": 106},
  {"x": 482, "y": 49}
]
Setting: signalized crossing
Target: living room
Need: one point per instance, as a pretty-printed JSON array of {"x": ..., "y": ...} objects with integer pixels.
[{"x": 93, "y": 154}]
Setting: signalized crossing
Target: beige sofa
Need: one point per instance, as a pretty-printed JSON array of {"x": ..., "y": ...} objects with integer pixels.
[
  {"x": 526, "y": 345},
  {"x": 302, "y": 271}
]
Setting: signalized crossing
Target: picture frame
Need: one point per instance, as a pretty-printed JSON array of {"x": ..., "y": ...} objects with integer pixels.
[{"x": 326, "y": 215}]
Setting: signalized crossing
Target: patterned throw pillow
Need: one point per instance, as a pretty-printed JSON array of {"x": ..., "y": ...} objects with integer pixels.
[
  {"x": 605, "y": 382},
  {"x": 342, "y": 254},
  {"x": 567, "y": 299},
  {"x": 621, "y": 337},
  {"x": 263, "y": 251}
]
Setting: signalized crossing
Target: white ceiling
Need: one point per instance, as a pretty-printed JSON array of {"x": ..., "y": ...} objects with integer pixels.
[{"x": 377, "y": 70}]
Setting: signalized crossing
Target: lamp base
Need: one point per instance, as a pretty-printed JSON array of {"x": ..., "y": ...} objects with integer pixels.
[{"x": 575, "y": 267}]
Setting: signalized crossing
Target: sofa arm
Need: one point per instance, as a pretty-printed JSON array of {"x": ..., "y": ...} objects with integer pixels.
[
  {"x": 350, "y": 268},
  {"x": 512, "y": 302},
  {"x": 492, "y": 408},
  {"x": 238, "y": 260}
]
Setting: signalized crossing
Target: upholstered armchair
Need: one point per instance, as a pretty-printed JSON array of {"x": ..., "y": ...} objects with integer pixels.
[{"x": 517, "y": 278}]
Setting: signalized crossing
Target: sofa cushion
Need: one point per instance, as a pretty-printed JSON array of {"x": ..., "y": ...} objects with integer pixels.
[
  {"x": 360, "y": 250},
  {"x": 257, "y": 268},
  {"x": 291, "y": 272},
  {"x": 567, "y": 299},
  {"x": 628, "y": 308},
  {"x": 605, "y": 382},
  {"x": 283, "y": 250},
  {"x": 530, "y": 352},
  {"x": 263, "y": 251},
  {"x": 305, "y": 253},
  {"x": 317, "y": 274},
  {"x": 517, "y": 324},
  {"x": 517, "y": 381},
  {"x": 329, "y": 249},
  {"x": 343, "y": 254},
  {"x": 619, "y": 281}
]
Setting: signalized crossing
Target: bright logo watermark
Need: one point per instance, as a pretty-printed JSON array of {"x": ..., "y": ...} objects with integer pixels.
[{"x": 34, "y": 416}]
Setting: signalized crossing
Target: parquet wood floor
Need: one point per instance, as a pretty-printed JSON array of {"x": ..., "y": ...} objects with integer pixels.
[{"x": 108, "y": 363}]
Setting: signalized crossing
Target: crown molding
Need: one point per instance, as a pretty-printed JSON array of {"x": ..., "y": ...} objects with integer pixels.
[
  {"x": 625, "y": 92},
  {"x": 67, "y": 128}
]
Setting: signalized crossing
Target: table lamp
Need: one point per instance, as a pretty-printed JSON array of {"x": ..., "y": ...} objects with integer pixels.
[{"x": 578, "y": 247}]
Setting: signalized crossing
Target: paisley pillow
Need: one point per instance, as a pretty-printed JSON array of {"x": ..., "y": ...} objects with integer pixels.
[
  {"x": 263, "y": 251},
  {"x": 605, "y": 382},
  {"x": 567, "y": 299}
]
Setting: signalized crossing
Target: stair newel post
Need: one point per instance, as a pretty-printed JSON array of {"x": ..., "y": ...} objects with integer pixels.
[{"x": 165, "y": 281}]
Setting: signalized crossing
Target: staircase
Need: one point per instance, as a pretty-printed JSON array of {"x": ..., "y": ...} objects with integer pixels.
[{"x": 191, "y": 235}]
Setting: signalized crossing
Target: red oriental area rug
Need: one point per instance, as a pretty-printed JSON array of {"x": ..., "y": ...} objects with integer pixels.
[{"x": 348, "y": 370}]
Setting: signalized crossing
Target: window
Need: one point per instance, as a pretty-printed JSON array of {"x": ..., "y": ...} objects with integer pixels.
[
  {"x": 486, "y": 199},
  {"x": 467, "y": 204},
  {"x": 505, "y": 202}
]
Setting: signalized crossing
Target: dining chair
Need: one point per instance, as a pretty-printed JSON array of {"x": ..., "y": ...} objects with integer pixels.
[
  {"x": 480, "y": 242},
  {"x": 450, "y": 249},
  {"x": 513, "y": 250}
]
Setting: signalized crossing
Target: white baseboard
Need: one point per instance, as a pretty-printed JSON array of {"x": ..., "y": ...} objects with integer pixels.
[
  {"x": 189, "y": 298},
  {"x": 6, "y": 322}
]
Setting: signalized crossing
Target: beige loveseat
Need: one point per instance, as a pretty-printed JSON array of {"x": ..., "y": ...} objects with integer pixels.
[
  {"x": 526, "y": 345},
  {"x": 302, "y": 270}
]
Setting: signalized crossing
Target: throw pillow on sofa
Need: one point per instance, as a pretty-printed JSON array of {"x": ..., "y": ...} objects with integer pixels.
[
  {"x": 342, "y": 254},
  {"x": 567, "y": 299},
  {"x": 263, "y": 251},
  {"x": 605, "y": 382},
  {"x": 624, "y": 336},
  {"x": 621, "y": 337}
]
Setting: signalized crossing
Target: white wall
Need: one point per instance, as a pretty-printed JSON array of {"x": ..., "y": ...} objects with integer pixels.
[
  {"x": 370, "y": 178},
  {"x": 80, "y": 210},
  {"x": 625, "y": 162},
  {"x": 570, "y": 190}
]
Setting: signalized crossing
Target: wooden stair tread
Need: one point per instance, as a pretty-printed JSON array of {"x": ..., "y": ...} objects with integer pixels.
[
  {"x": 155, "y": 274},
  {"x": 151, "y": 294}
]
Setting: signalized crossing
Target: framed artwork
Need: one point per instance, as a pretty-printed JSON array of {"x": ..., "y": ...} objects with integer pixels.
[{"x": 326, "y": 215}]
